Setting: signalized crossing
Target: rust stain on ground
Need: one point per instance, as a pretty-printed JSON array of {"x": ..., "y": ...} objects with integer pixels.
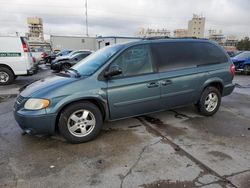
[
  {"x": 220, "y": 155},
  {"x": 169, "y": 129},
  {"x": 168, "y": 183}
]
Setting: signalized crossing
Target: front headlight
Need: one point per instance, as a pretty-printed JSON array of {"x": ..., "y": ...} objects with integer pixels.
[{"x": 36, "y": 104}]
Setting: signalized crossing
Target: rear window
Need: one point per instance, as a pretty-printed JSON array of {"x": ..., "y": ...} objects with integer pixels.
[{"x": 174, "y": 55}]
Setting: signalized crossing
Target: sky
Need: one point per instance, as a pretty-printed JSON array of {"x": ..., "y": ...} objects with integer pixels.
[{"x": 123, "y": 17}]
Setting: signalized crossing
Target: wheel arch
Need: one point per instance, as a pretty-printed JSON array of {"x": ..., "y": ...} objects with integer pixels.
[
  {"x": 8, "y": 67},
  {"x": 99, "y": 103},
  {"x": 217, "y": 83}
]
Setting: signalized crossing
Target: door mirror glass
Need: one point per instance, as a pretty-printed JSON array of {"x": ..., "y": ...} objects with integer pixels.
[{"x": 114, "y": 70}]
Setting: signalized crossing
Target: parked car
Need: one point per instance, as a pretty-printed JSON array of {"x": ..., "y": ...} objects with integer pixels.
[
  {"x": 242, "y": 62},
  {"x": 48, "y": 58},
  {"x": 67, "y": 62},
  {"x": 68, "y": 56},
  {"x": 126, "y": 80},
  {"x": 15, "y": 59}
]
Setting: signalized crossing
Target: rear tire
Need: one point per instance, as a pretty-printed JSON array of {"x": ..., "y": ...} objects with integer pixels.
[
  {"x": 246, "y": 70},
  {"x": 80, "y": 122},
  {"x": 6, "y": 76},
  {"x": 210, "y": 101}
]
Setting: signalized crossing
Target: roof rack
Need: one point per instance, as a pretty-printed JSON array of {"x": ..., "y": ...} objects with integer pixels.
[
  {"x": 166, "y": 37},
  {"x": 155, "y": 38}
]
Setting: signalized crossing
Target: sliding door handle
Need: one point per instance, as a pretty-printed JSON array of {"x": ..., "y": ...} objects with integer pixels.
[
  {"x": 153, "y": 84},
  {"x": 166, "y": 82}
]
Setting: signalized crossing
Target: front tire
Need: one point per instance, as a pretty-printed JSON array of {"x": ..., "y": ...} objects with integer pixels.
[
  {"x": 210, "y": 101},
  {"x": 80, "y": 122},
  {"x": 6, "y": 76}
]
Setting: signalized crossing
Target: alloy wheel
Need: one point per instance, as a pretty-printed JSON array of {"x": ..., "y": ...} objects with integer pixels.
[
  {"x": 81, "y": 123},
  {"x": 211, "y": 102}
]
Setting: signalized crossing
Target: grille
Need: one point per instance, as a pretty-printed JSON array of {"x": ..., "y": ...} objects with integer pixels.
[{"x": 20, "y": 99}]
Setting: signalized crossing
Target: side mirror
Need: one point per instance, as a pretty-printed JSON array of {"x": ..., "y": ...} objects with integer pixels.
[{"x": 114, "y": 70}]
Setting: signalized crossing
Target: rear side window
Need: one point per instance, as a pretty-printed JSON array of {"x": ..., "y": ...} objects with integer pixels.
[
  {"x": 81, "y": 56},
  {"x": 175, "y": 55}
]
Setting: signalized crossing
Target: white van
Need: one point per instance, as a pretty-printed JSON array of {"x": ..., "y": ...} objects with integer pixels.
[{"x": 15, "y": 59}]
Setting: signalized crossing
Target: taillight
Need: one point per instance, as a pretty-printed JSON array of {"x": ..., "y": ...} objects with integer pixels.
[
  {"x": 25, "y": 47},
  {"x": 44, "y": 55},
  {"x": 25, "y": 44},
  {"x": 33, "y": 59},
  {"x": 232, "y": 69}
]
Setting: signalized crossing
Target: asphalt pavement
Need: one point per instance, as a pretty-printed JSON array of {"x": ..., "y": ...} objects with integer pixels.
[{"x": 176, "y": 148}]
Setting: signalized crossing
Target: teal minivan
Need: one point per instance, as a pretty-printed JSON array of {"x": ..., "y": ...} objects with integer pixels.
[{"x": 126, "y": 80}]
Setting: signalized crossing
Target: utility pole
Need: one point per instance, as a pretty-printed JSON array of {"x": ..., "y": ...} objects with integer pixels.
[{"x": 86, "y": 16}]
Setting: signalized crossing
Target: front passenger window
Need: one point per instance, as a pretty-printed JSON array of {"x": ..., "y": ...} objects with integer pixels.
[{"x": 135, "y": 61}]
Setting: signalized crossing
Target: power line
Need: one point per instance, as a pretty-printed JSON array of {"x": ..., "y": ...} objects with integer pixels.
[{"x": 86, "y": 16}]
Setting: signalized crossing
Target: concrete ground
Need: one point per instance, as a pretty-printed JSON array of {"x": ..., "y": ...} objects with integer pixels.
[{"x": 176, "y": 148}]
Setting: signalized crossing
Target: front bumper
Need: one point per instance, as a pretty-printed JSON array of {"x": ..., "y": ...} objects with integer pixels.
[
  {"x": 228, "y": 89},
  {"x": 36, "y": 123}
]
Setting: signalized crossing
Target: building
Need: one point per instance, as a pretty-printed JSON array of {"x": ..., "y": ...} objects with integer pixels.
[
  {"x": 72, "y": 43},
  {"x": 231, "y": 40},
  {"x": 87, "y": 43},
  {"x": 216, "y": 36},
  {"x": 196, "y": 26},
  {"x": 35, "y": 26},
  {"x": 153, "y": 33},
  {"x": 179, "y": 33},
  {"x": 109, "y": 40},
  {"x": 35, "y": 34}
]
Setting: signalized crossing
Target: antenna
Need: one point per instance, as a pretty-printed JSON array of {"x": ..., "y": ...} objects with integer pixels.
[{"x": 86, "y": 16}]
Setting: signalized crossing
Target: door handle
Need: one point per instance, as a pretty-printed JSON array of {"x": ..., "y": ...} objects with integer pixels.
[
  {"x": 153, "y": 84},
  {"x": 166, "y": 82}
]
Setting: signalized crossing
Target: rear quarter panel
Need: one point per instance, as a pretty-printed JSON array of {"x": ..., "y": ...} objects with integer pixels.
[{"x": 215, "y": 73}]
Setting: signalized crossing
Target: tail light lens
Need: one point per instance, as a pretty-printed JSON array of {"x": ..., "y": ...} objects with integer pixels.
[
  {"x": 232, "y": 69},
  {"x": 25, "y": 48},
  {"x": 25, "y": 44},
  {"x": 33, "y": 59},
  {"x": 44, "y": 55}
]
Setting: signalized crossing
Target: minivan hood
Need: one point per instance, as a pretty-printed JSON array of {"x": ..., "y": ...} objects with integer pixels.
[{"x": 46, "y": 85}]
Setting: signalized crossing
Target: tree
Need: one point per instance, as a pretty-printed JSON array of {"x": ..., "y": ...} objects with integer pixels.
[{"x": 244, "y": 44}]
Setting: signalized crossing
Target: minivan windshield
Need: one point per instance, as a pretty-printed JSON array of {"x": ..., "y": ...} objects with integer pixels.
[
  {"x": 93, "y": 62},
  {"x": 243, "y": 55}
]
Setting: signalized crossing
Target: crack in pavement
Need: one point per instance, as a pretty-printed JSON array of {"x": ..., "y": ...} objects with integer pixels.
[
  {"x": 180, "y": 150},
  {"x": 236, "y": 173},
  {"x": 137, "y": 161},
  {"x": 211, "y": 183},
  {"x": 232, "y": 110},
  {"x": 242, "y": 86}
]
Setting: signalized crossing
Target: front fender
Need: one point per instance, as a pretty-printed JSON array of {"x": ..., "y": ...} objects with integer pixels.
[{"x": 60, "y": 102}]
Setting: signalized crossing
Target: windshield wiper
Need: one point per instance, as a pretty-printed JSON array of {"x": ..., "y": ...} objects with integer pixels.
[{"x": 76, "y": 72}]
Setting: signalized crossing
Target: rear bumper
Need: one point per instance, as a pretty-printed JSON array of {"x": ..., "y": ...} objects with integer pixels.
[
  {"x": 31, "y": 71},
  {"x": 228, "y": 89}
]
